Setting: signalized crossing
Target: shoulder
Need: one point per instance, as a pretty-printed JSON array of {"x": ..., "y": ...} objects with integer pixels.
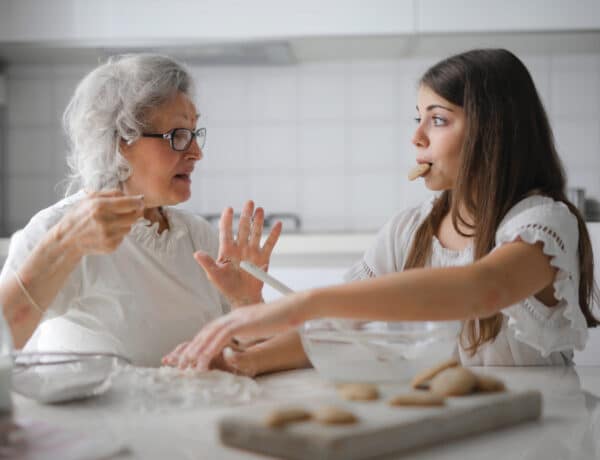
[
  {"x": 404, "y": 223},
  {"x": 45, "y": 219},
  {"x": 388, "y": 251},
  {"x": 541, "y": 214}
]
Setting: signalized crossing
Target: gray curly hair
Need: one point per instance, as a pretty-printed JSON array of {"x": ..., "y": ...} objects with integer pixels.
[{"x": 111, "y": 103}]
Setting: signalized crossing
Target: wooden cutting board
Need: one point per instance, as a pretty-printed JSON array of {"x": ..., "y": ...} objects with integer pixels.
[{"x": 382, "y": 429}]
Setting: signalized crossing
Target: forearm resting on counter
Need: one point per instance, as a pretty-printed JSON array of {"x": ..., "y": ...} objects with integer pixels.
[
  {"x": 42, "y": 276},
  {"x": 281, "y": 352}
]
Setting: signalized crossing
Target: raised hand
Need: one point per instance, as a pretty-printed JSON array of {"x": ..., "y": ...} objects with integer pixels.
[
  {"x": 100, "y": 221},
  {"x": 239, "y": 287}
]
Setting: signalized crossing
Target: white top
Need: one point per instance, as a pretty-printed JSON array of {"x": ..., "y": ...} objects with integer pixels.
[
  {"x": 139, "y": 301},
  {"x": 532, "y": 333}
]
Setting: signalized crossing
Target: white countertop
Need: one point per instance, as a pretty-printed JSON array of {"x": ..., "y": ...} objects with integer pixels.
[
  {"x": 568, "y": 429},
  {"x": 340, "y": 243}
]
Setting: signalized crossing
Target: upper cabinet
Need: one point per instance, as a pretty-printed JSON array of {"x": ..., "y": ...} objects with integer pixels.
[
  {"x": 441, "y": 16},
  {"x": 314, "y": 28},
  {"x": 140, "y": 22},
  {"x": 2, "y": 91}
]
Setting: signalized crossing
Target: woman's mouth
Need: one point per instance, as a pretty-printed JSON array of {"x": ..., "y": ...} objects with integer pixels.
[
  {"x": 419, "y": 170},
  {"x": 183, "y": 177}
]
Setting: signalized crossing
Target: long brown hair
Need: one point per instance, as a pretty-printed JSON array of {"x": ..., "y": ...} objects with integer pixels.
[{"x": 508, "y": 153}]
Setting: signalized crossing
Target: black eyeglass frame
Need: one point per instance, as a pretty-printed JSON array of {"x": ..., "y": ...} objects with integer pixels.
[{"x": 199, "y": 133}]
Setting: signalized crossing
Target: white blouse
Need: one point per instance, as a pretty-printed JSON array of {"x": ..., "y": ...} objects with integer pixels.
[
  {"x": 139, "y": 301},
  {"x": 531, "y": 333}
]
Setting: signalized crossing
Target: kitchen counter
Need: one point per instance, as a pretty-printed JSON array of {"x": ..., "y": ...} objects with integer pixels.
[{"x": 568, "y": 429}]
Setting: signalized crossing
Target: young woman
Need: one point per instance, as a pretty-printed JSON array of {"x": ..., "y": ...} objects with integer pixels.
[{"x": 499, "y": 247}]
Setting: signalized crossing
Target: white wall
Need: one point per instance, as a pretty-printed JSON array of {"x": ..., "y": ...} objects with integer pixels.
[{"x": 328, "y": 140}]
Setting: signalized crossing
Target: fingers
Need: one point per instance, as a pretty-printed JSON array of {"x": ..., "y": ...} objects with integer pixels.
[
  {"x": 207, "y": 344},
  {"x": 207, "y": 263},
  {"x": 108, "y": 193},
  {"x": 225, "y": 229},
  {"x": 121, "y": 204},
  {"x": 272, "y": 239},
  {"x": 257, "y": 227},
  {"x": 171, "y": 358},
  {"x": 245, "y": 221}
]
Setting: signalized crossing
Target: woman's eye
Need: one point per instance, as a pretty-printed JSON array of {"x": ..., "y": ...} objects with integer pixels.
[
  {"x": 417, "y": 120},
  {"x": 438, "y": 121}
]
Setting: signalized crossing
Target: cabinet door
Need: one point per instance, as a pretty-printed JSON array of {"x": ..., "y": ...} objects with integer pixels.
[
  {"x": 143, "y": 23},
  {"x": 438, "y": 16}
]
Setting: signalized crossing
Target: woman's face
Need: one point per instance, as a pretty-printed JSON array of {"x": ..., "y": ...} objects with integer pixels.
[
  {"x": 438, "y": 138},
  {"x": 160, "y": 173}
]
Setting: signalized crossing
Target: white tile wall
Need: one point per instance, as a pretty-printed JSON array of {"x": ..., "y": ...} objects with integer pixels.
[{"x": 328, "y": 140}]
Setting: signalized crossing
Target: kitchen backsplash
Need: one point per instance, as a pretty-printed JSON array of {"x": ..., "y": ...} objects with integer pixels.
[{"x": 329, "y": 141}]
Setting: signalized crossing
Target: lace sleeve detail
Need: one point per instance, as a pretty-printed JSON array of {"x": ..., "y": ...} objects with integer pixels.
[
  {"x": 359, "y": 271},
  {"x": 563, "y": 326}
]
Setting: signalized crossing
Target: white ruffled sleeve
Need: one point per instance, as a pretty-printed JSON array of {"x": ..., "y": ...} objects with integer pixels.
[
  {"x": 563, "y": 326},
  {"x": 392, "y": 243}
]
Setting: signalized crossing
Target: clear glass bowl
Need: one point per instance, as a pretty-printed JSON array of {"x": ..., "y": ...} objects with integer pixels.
[
  {"x": 53, "y": 377},
  {"x": 377, "y": 351}
]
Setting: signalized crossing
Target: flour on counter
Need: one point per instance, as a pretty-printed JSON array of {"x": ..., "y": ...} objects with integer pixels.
[{"x": 164, "y": 388}]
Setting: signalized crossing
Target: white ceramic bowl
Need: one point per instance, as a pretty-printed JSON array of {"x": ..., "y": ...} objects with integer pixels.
[{"x": 376, "y": 351}]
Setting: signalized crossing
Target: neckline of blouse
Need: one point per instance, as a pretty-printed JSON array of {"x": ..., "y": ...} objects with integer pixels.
[
  {"x": 454, "y": 253},
  {"x": 146, "y": 232}
]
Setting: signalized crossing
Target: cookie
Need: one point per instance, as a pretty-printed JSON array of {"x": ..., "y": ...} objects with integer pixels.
[
  {"x": 417, "y": 398},
  {"x": 358, "y": 391},
  {"x": 455, "y": 381},
  {"x": 421, "y": 380},
  {"x": 488, "y": 384},
  {"x": 418, "y": 171},
  {"x": 283, "y": 416},
  {"x": 332, "y": 415}
]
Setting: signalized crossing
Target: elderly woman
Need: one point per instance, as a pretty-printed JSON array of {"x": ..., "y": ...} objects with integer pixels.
[{"x": 111, "y": 266}]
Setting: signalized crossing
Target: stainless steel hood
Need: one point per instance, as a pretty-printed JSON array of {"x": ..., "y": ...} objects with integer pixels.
[{"x": 291, "y": 51}]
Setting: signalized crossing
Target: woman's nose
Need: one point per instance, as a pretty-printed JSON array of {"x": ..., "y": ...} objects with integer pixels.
[
  {"x": 194, "y": 152},
  {"x": 419, "y": 138}
]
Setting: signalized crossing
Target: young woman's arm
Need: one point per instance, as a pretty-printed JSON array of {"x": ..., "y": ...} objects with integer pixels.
[{"x": 505, "y": 276}]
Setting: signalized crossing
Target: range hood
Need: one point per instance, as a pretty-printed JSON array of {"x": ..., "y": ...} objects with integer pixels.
[{"x": 292, "y": 51}]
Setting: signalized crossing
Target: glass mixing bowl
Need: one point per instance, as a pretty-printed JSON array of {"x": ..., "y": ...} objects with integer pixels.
[
  {"x": 376, "y": 351},
  {"x": 53, "y": 377}
]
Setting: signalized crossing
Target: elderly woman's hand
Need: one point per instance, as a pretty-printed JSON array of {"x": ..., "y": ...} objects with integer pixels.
[
  {"x": 239, "y": 287},
  {"x": 100, "y": 221},
  {"x": 208, "y": 348}
]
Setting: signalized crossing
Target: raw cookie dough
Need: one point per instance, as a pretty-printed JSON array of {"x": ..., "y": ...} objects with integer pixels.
[
  {"x": 455, "y": 381},
  {"x": 417, "y": 398},
  {"x": 488, "y": 384},
  {"x": 418, "y": 171},
  {"x": 422, "y": 378},
  {"x": 281, "y": 417},
  {"x": 358, "y": 391},
  {"x": 331, "y": 415}
]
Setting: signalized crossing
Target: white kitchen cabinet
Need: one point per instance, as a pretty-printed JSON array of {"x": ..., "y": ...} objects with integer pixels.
[
  {"x": 2, "y": 90},
  {"x": 441, "y": 16},
  {"x": 144, "y": 22}
]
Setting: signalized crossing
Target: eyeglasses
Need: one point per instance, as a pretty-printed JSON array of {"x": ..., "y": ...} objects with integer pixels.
[{"x": 181, "y": 138}]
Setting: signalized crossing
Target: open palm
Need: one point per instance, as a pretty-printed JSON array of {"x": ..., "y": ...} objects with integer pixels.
[{"x": 239, "y": 287}]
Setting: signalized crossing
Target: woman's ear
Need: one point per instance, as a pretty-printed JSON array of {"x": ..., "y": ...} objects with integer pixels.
[{"x": 125, "y": 147}]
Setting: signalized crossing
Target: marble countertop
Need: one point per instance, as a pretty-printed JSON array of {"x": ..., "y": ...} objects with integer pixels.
[{"x": 568, "y": 429}]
